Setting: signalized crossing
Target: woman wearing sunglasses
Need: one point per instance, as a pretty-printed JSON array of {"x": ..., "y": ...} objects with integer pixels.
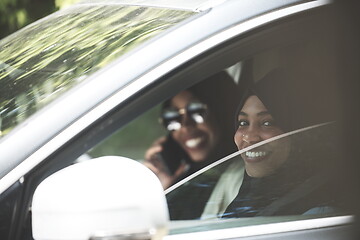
[{"x": 199, "y": 122}]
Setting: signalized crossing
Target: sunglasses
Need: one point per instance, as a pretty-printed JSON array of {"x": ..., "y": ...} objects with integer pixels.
[{"x": 172, "y": 117}]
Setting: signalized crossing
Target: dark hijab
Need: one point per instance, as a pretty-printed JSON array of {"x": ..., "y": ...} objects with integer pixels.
[
  {"x": 302, "y": 182},
  {"x": 290, "y": 108},
  {"x": 221, "y": 96}
]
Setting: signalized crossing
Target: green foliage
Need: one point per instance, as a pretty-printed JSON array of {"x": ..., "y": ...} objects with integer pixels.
[
  {"x": 15, "y": 14},
  {"x": 133, "y": 140},
  {"x": 64, "y": 3}
]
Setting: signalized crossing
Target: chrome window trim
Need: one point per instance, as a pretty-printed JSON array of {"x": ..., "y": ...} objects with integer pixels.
[
  {"x": 265, "y": 229},
  {"x": 55, "y": 143}
]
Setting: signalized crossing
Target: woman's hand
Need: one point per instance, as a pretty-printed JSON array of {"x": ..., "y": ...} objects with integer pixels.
[{"x": 156, "y": 164}]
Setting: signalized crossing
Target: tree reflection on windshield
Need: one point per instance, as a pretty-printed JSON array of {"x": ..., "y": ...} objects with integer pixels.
[{"x": 46, "y": 59}]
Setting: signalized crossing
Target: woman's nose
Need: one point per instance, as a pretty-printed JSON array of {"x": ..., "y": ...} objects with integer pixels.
[
  {"x": 187, "y": 121},
  {"x": 250, "y": 136}
]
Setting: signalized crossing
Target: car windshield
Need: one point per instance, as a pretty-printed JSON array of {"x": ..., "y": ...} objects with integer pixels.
[
  {"x": 51, "y": 56},
  {"x": 230, "y": 188}
]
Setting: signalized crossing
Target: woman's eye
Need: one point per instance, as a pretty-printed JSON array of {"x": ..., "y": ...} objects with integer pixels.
[
  {"x": 242, "y": 123},
  {"x": 268, "y": 123}
]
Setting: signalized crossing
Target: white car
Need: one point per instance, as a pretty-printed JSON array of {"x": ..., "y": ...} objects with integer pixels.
[{"x": 80, "y": 96}]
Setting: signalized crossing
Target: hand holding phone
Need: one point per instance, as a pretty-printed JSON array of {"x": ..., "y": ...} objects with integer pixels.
[
  {"x": 167, "y": 160},
  {"x": 172, "y": 155}
]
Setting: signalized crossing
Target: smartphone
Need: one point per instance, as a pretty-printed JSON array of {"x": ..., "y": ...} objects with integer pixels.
[{"x": 172, "y": 155}]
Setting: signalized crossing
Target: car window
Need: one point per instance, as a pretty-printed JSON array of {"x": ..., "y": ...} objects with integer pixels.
[
  {"x": 305, "y": 185},
  {"x": 302, "y": 98},
  {"x": 42, "y": 61},
  {"x": 126, "y": 141},
  {"x": 290, "y": 154},
  {"x": 191, "y": 107}
]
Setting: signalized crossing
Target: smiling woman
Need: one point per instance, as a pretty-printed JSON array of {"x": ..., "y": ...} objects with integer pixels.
[
  {"x": 263, "y": 115},
  {"x": 199, "y": 129},
  {"x": 255, "y": 124}
]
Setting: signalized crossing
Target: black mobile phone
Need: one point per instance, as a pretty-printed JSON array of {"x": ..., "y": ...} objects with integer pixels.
[{"x": 172, "y": 155}]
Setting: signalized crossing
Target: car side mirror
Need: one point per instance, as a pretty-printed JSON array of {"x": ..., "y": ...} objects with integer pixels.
[{"x": 103, "y": 198}]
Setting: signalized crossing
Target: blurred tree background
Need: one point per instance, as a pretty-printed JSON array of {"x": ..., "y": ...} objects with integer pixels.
[{"x": 15, "y": 14}]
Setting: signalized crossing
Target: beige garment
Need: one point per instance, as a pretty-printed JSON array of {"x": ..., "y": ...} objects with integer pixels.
[{"x": 225, "y": 190}]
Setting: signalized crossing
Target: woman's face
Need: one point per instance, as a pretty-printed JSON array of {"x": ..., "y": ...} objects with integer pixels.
[
  {"x": 197, "y": 139},
  {"x": 255, "y": 124}
]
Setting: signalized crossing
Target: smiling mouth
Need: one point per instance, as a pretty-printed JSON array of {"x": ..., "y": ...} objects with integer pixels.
[
  {"x": 255, "y": 154},
  {"x": 194, "y": 142}
]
